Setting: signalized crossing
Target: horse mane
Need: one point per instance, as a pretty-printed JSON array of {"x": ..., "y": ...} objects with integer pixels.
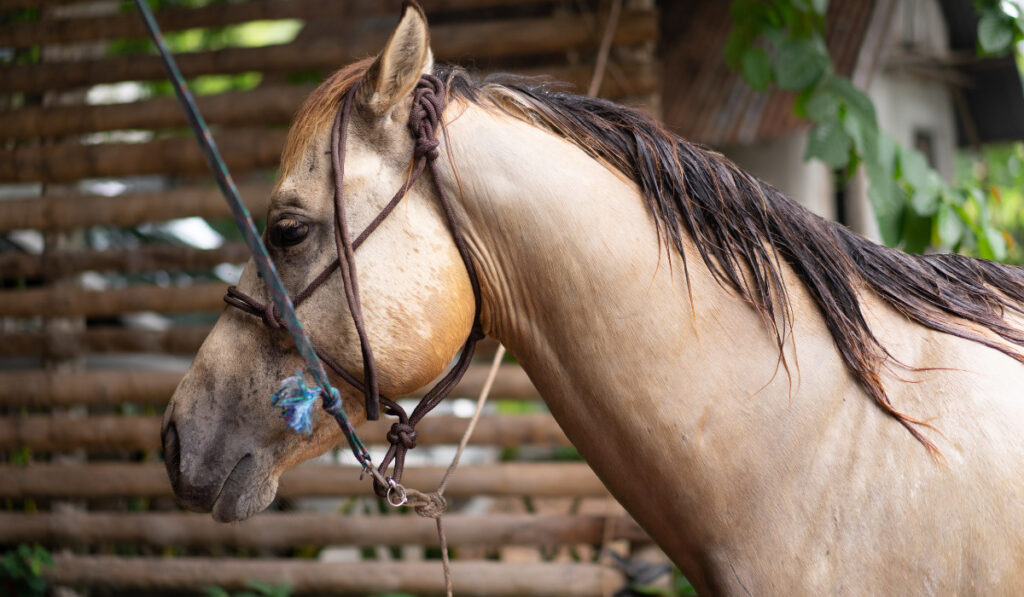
[{"x": 743, "y": 229}]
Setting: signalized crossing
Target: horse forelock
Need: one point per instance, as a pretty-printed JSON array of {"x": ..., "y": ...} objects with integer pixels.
[
  {"x": 317, "y": 113},
  {"x": 744, "y": 229}
]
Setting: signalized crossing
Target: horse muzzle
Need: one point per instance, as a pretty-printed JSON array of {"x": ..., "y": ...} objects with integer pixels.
[{"x": 210, "y": 479}]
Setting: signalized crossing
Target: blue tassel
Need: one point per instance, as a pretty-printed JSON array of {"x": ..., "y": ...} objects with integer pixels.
[{"x": 296, "y": 399}]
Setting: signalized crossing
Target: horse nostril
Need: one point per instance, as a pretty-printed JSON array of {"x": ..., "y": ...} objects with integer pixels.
[{"x": 172, "y": 452}]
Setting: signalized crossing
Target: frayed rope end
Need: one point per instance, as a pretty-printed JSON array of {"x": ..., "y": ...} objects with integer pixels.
[{"x": 296, "y": 399}]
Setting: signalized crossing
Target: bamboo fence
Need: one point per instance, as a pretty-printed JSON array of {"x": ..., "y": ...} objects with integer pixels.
[{"x": 84, "y": 378}]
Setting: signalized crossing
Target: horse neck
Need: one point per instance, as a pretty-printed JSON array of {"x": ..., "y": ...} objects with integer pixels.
[{"x": 579, "y": 287}]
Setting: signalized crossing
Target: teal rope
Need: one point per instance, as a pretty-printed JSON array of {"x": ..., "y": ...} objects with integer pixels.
[{"x": 295, "y": 397}]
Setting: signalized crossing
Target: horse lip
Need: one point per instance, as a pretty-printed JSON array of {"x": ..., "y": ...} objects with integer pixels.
[{"x": 224, "y": 506}]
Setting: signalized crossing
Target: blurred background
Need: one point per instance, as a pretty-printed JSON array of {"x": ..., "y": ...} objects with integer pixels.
[{"x": 902, "y": 119}]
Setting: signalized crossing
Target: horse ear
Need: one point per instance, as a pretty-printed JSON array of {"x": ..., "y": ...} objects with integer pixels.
[{"x": 397, "y": 69}]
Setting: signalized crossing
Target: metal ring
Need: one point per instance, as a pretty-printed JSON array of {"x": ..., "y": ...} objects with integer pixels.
[{"x": 399, "y": 491}]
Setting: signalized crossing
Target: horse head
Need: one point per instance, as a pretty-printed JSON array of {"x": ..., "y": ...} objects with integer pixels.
[{"x": 225, "y": 446}]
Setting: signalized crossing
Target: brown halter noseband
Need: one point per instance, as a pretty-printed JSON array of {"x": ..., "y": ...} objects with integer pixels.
[{"x": 427, "y": 106}]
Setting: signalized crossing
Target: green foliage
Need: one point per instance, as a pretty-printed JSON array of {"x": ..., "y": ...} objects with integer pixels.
[
  {"x": 998, "y": 30},
  {"x": 21, "y": 571},
  {"x": 259, "y": 589},
  {"x": 997, "y": 179},
  {"x": 781, "y": 43}
]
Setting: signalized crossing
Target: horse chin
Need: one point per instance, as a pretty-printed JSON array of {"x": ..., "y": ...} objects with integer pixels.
[{"x": 246, "y": 491}]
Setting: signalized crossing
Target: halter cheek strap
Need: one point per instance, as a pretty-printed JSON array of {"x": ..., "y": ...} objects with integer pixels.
[{"x": 427, "y": 106}]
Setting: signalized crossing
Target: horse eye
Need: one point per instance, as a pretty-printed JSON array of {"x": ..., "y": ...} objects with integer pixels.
[{"x": 287, "y": 232}]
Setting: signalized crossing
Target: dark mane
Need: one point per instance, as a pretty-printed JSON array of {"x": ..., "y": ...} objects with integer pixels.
[{"x": 743, "y": 228}]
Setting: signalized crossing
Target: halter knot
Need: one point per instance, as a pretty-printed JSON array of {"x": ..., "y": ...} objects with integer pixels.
[
  {"x": 270, "y": 316},
  {"x": 402, "y": 434},
  {"x": 428, "y": 103},
  {"x": 433, "y": 506}
]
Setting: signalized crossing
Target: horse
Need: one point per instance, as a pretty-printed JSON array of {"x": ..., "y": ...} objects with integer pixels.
[{"x": 785, "y": 406}]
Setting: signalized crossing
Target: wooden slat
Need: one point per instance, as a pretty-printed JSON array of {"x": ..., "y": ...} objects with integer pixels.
[
  {"x": 92, "y": 481},
  {"x": 128, "y": 24},
  {"x": 147, "y": 258},
  {"x": 479, "y": 41},
  {"x": 93, "y": 388},
  {"x": 280, "y": 531},
  {"x": 266, "y": 106},
  {"x": 64, "y": 344},
  {"x": 243, "y": 149},
  {"x": 51, "y": 214},
  {"x": 45, "y": 433},
  {"x": 107, "y": 388},
  {"x": 63, "y": 302},
  {"x": 470, "y": 578}
]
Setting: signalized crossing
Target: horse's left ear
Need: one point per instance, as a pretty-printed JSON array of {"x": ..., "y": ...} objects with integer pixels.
[{"x": 397, "y": 69}]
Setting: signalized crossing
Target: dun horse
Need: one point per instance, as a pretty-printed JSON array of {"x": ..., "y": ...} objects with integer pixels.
[{"x": 786, "y": 407}]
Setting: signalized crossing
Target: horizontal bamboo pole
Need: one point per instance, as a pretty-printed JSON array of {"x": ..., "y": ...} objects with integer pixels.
[
  {"x": 60, "y": 344},
  {"x": 243, "y": 150},
  {"x": 280, "y": 531},
  {"x": 128, "y": 24},
  {"x": 263, "y": 106},
  {"x": 92, "y": 388},
  {"x": 70, "y": 212},
  {"x": 44, "y": 433},
  {"x": 470, "y": 578},
  {"x": 109, "y": 339},
  {"x": 478, "y": 40},
  {"x": 106, "y": 388},
  {"x": 93, "y": 481},
  {"x": 62, "y": 302},
  {"x": 65, "y": 302},
  {"x": 146, "y": 258}
]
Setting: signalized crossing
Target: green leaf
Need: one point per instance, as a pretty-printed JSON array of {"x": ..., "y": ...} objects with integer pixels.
[
  {"x": 828, "y": 142},
  {"x": 821, "y": 105},
  {"x": 948, "y": 226},
  {"x": 913, "y": 167},
  {"x": 995, "y": 32},
  {"x": 757, "y": 68},
  {"x": 886, "y": 154},
  {"x": 917, "y": 232},
  {"x": 887, "y": 203},
  {"x": 996, "y": 242},
  {"x": 924, "y": 182},
  {"x": 857, "y": 103},
  {"x": 864, "y": 136},
  {"x": 926, "y": 199},
  {"x": 799, "y": 64}
]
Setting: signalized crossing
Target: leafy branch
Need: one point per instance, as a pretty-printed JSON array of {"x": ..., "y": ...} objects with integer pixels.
[{"x": 781, "y": 44}]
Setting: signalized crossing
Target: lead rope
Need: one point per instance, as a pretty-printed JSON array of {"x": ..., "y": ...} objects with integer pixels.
[
  {"x": 280, "y": 307},
  {"x": 433, "y": 504}
]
